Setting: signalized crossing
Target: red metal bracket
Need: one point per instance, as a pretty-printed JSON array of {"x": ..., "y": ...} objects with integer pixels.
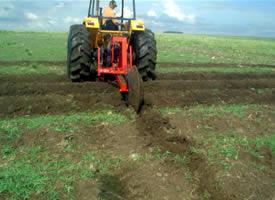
[{"x": 120, "y": 65}]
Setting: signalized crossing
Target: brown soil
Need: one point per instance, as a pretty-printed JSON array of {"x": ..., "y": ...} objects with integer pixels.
[
  {"x": 150, "y": 179},
  {"x": 169, "y": 64},
  {"x": 214, "y": 76},
  {"x": 173, "y": 139},
  {"x": 25, "y": 95},
  {"x": 162, "y": 64},
  {"x": 241, "y": 182}
]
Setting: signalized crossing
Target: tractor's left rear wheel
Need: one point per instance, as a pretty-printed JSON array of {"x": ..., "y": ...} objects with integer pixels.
[{"x": 80, "y": 60}]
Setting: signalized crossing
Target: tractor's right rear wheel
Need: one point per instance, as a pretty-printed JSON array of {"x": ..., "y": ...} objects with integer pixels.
[{"x": 80, "y": 60}]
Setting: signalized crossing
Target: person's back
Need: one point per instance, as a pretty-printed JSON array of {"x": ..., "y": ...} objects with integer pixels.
[{"x": 109, "y": 12}]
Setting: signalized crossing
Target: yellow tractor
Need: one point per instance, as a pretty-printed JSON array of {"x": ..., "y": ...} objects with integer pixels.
[{"x": 107, "y": 47}]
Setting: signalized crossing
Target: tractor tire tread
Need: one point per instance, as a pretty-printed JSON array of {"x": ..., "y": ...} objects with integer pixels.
[
  {"x": 80, "y": 66},
  {"x": 144, "y": 45}
]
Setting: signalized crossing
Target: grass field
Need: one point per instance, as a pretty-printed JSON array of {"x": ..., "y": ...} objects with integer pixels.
[
  {"x": 172, "y": 48},
  {"x": 206, "y": 131}
]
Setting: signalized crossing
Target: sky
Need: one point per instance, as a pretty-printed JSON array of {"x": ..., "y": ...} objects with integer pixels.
[{"x": 218, "y": 17}]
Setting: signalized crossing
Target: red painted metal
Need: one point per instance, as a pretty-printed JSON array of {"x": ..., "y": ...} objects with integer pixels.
[
  {"x": 123, "y": 86},
  {"x": 118, "y": 67}
]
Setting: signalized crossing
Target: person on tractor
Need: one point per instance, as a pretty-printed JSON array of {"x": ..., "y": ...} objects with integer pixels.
[{"x": 109, "y": 11}]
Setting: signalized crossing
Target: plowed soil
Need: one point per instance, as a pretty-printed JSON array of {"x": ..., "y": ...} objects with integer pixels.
[
  {"x": 152, "y": 180},
  {"x": 37, "y": 94}
]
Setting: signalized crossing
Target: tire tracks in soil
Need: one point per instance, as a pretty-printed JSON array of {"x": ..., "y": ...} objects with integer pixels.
[
  {"x": 159, "y": 132},
  {"x": 28, "y": 95},
  {"x": 26, "y": 88},
  {"x": 20, "y": 95}
]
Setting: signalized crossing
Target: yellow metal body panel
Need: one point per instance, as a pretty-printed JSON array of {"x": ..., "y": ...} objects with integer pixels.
[
  {"x": 137, "y": 25},
  {"x": 93, "y": 26},
  {"x": 95, "y": 38},
  {"x": 91, "y": 23}
]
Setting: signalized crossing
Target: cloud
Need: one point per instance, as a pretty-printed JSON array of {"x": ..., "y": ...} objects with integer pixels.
[
  {"x": 158, "y": 24},
  {"x": 152, "y": 13},
  {"x": 197, "y": 16},
  {"x": 30, "y": 16},
  {"x": 52, "y": 21},
  {"x": 56, "y": 7},
  {"x": 5, "y": 10},
  {"x": 128, "y": 13},
  {"x": 72, "y": 20},
  {"x": 173, "y": 10},
  {"x": 35, "y": 25},
  {"x": 60, "y": 5}
]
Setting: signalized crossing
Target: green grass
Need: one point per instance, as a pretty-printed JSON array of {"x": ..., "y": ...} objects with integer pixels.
[
  {"x": 268, "y": 141},
  {"x": 33, "y": 172},
  {"x": 60, "y": 70},
  {"x": 140, "y": 157},
  {"x": 181, "y": 159},
  {"x": 12, "y": 128},
  {"x": 224, "y": 148},
  {"x": 206, "y": 195},
  {"x": 214, "y": 49},
  {"x": 32, "y": 69},
  {"x": 238, "y": 110},
  {"x": 225, "y": 70},
  {"x": 170, "y": 110},
  {"x": 17, "y": 46},
  {"x": 261, "y": 91},
  {"x": 171, "y": 48}
]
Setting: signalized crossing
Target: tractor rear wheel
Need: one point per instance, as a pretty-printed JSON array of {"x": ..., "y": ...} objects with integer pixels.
[
  {"x": 80, "y": 60},
  {"x": 145, "y": 54}
]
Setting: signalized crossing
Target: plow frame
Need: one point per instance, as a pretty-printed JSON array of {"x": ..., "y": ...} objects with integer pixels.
[{"x": 120, "y": 65}]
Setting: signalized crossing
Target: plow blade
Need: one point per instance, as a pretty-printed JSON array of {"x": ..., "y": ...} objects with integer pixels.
[{"x": 135, "y": 89}]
